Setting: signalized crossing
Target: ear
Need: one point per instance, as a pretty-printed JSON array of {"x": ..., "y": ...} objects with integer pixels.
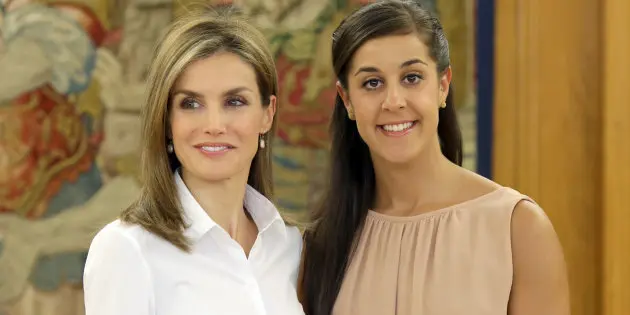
[
  {"x": 344, "y": 97},
  {"x": 268, "y": 114},
  {"x": 445, "y": 83}
]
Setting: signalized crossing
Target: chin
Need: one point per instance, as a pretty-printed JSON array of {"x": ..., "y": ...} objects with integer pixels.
[
  {"x": 399, "y": 157},
  {"x": 400, "y": 153},
  {"x": 219, "y": 172},
  {"x": 213, "y": 172},
  {"x": 217, "y": 168},
  {"x": 210, "y": 176}
]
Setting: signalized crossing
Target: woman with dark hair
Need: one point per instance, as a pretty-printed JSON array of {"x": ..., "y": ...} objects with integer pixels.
[{"x": 403, "y": 228}]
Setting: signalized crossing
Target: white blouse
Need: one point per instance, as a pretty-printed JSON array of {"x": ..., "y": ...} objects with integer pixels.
[{"x": 130, "y": 271}]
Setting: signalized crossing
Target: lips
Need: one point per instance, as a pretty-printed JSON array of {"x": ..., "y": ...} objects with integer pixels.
[
  {"x": 213, "y": 149},
  {"x": 214, "y": 146},
  {"x": 398, "y": 128}
]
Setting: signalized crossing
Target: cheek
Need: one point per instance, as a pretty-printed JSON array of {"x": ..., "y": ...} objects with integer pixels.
[
  {"x": 247, "y": 126},
  {"x": 365, "y": 118},
  {"x": 426, "y": 105},
  {"x": 367, "y": 107},
  {"x": 181, "y": 127},
  {"x": 428, "y": 110}
]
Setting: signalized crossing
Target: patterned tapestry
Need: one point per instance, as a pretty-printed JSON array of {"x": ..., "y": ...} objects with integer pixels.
[{"x": 71, "y": 86}]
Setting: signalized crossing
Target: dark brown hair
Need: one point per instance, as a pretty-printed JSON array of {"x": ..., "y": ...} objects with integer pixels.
[
  {"x": 198, "y": 35},
  {"x": 329, "y": 243}
]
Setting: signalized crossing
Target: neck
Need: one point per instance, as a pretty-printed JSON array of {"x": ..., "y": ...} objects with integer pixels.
[
  {"x": 222, "y": 200},
  {"x": 403, "y": 187}
]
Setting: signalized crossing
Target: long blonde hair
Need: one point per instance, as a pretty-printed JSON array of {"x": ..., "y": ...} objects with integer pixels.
[{"x": 195, "y": 36}]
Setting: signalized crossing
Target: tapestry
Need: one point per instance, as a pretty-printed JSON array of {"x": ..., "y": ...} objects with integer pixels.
[{"x": 71, "y": 86}]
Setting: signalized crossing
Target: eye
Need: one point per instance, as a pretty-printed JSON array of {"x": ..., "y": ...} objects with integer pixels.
[
  {"x": 235, "y": 101},
  {"x": 372, "y": 84},
  {"x": 412, "y": 78},
  {"x": 190, "y": 103}
]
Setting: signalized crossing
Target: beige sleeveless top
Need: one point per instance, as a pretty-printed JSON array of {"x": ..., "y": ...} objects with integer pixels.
[{"x": 453, "y": 261}]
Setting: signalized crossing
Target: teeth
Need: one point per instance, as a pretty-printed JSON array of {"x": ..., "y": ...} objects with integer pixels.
[
  {"x": 398, "y": 127},
  {"x": 214, "y": 149}
]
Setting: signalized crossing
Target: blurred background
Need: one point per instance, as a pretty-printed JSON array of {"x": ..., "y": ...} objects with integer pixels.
[{"x": 542, "y": 90}]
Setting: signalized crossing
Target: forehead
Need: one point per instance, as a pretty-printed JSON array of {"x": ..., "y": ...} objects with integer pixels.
[
  {"x": 391, "y": 51},
  {"x": 218, "y": 72}
]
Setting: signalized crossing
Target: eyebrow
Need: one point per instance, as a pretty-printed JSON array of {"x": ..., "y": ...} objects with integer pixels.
[
  {"x": 404, "y": 64},
  {"x": 194, "y": 94}
]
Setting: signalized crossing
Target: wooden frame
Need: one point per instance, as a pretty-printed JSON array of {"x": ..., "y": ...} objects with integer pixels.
[
  {"x": 547, "y": 126},
  {"x": 616, "y": 158},
  {"x": 562, "y": 132}
]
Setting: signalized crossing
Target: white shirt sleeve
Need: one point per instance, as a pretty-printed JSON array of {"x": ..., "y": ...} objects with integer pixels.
[{"x": 116, "y": 278}]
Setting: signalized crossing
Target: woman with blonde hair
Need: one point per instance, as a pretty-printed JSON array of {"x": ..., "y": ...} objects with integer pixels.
[{"x": 203, "y": 237}]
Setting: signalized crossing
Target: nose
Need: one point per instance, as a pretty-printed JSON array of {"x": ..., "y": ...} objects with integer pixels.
[
  {"x": 215, "y": 121},
  {"x": 394, "y": 99}
]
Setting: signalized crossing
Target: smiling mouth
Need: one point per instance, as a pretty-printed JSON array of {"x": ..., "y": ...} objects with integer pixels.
[
  {"x": 214, "y": 149},
  {"x": 399, "y": 129}
]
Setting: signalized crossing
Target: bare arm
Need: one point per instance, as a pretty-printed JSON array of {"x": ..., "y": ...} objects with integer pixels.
[{"x": 540, "y": 283}]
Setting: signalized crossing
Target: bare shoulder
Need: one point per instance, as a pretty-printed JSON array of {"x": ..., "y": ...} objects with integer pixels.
[
  {"x": 532, "y": 231},
  {"x": 528, "y": 215},
  {"x": 540, "y": 284},
  {"x": 475, "y": 184}
]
